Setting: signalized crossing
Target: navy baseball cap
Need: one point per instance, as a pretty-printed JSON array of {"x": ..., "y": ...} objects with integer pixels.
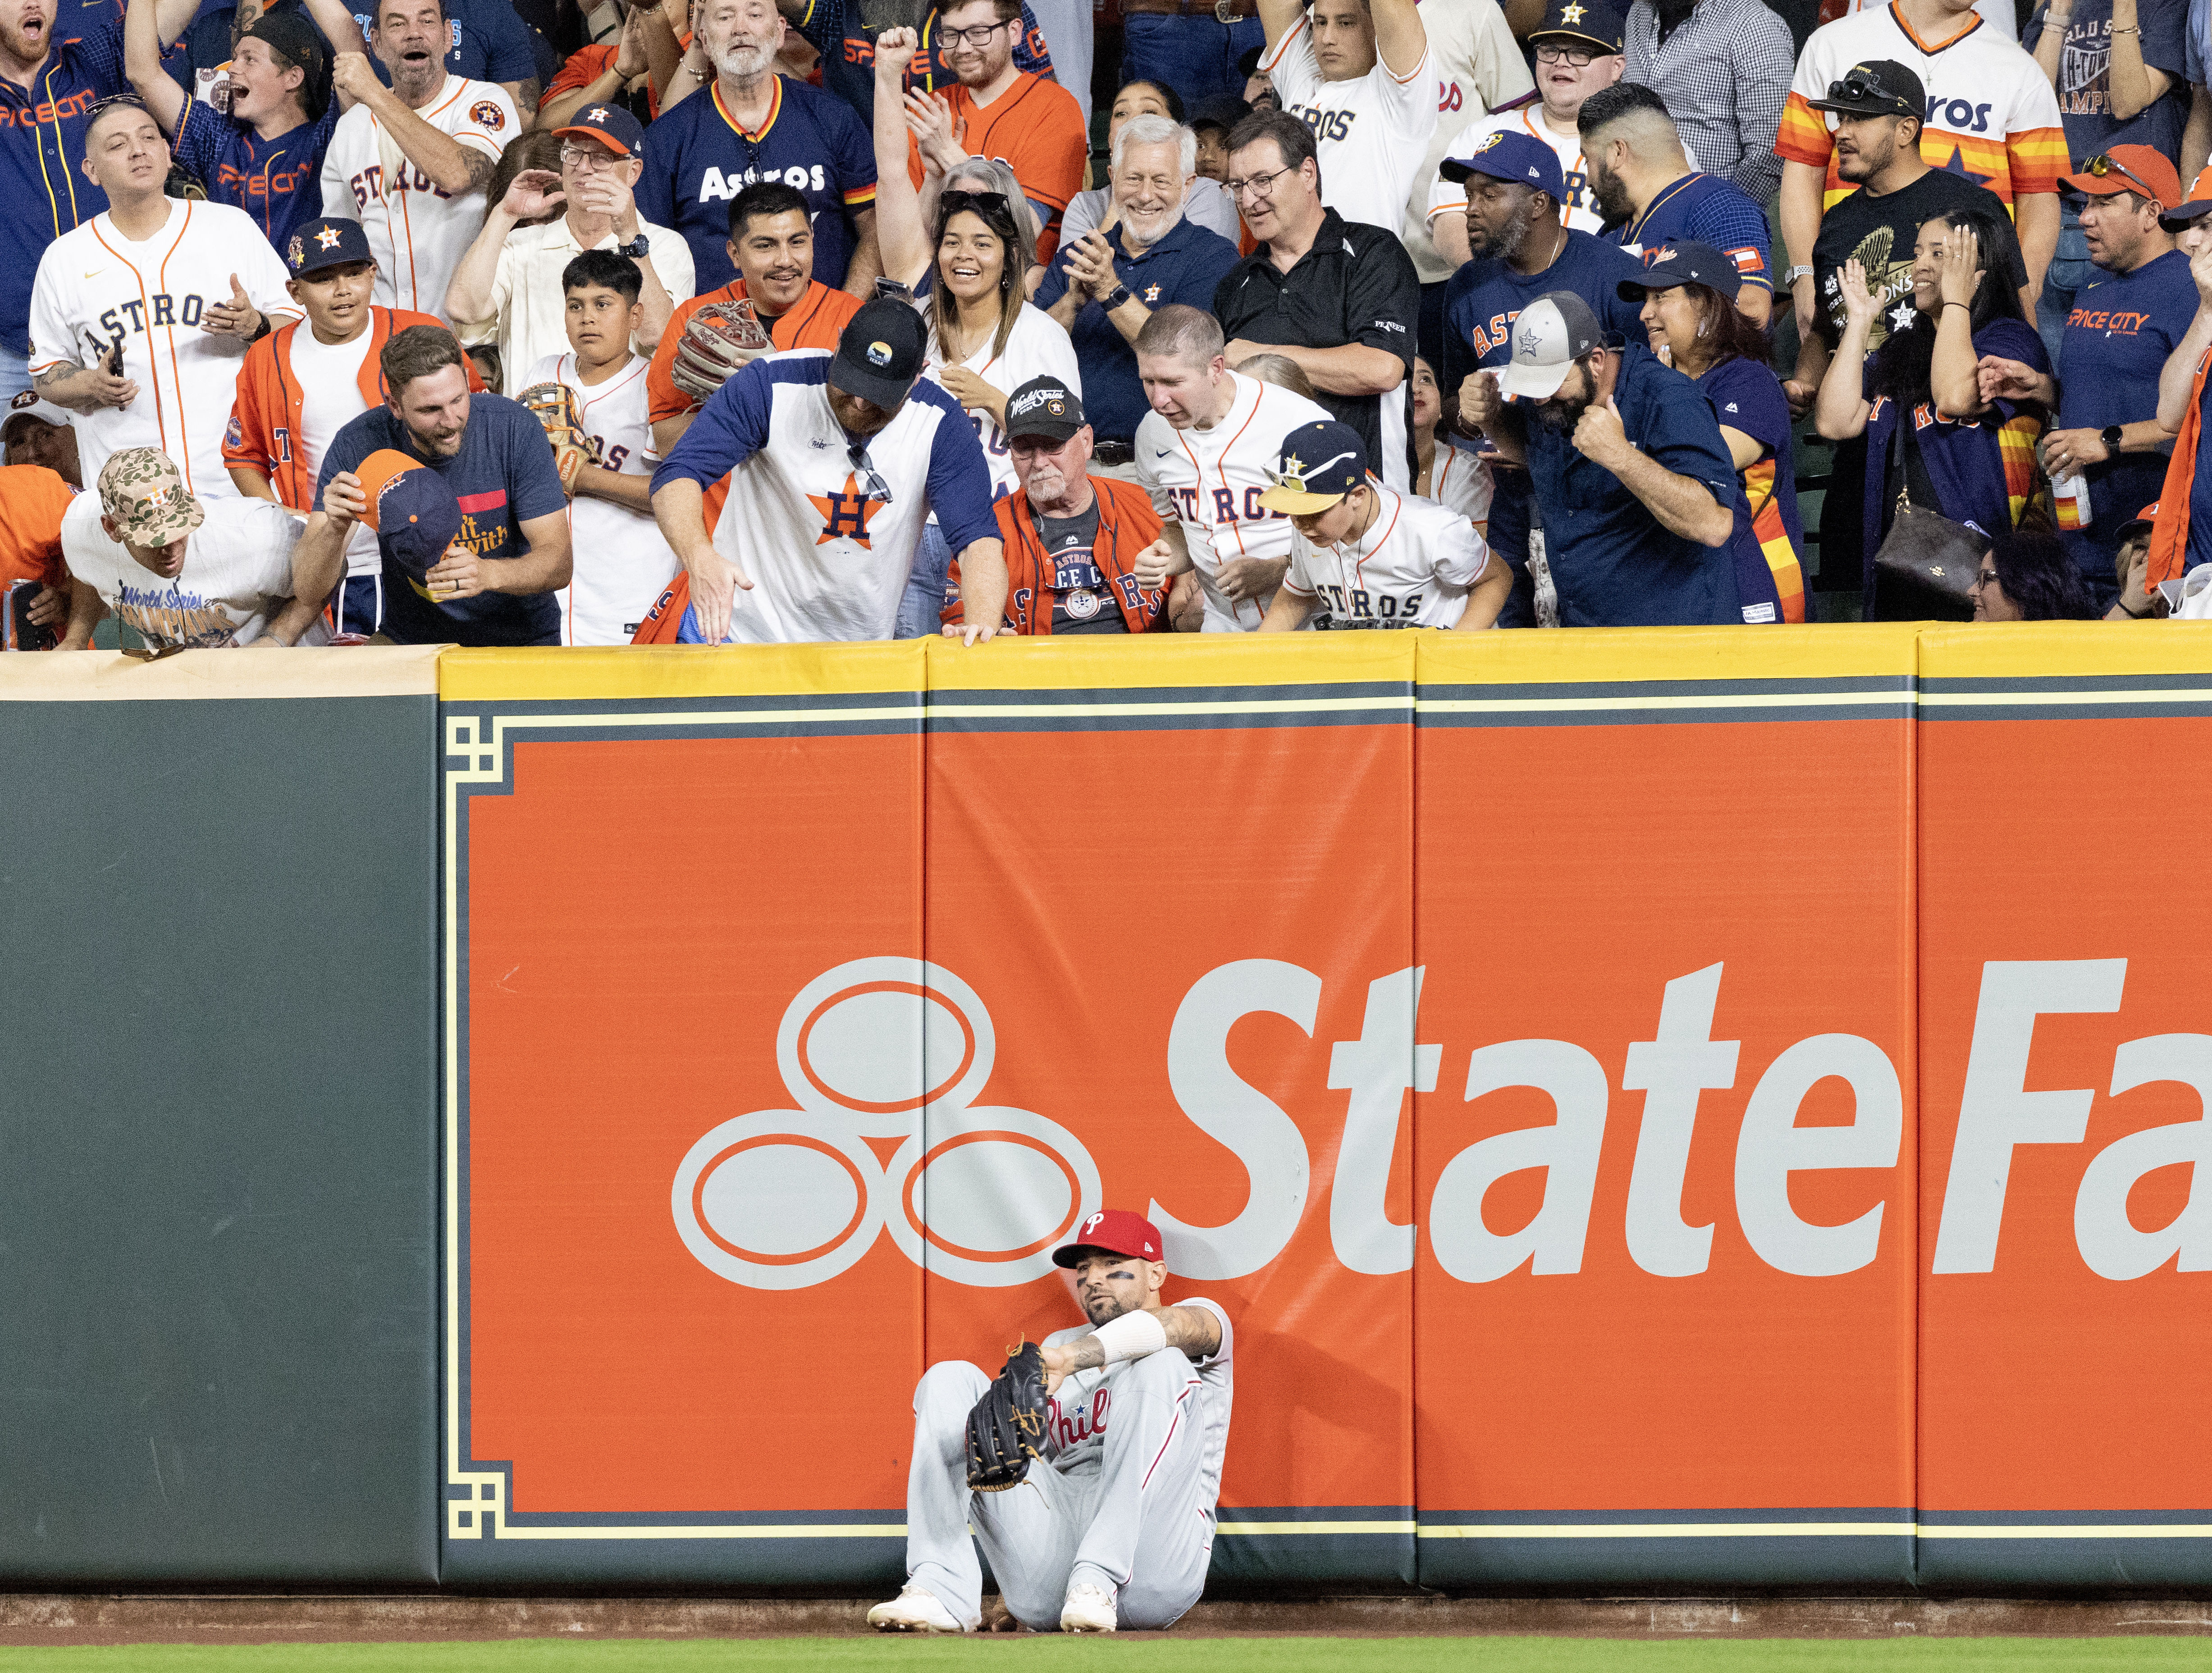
[
  {"x": 1321, "y": 462},
  {"x": 611, "y": 125},
  {"x": 1581, "y": 19},
  {"x": 1044, "y": 407},
  {"x": 880, "y": 352},
  {"x": 1683, "y": 262},
  {"x": 1503, "y": 155},
  {"x": 414, "y": 514},
  {"x": 328, "y": 242}
]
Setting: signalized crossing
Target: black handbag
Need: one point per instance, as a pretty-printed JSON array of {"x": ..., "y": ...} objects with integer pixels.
[{"x": 1925, "y": 569}]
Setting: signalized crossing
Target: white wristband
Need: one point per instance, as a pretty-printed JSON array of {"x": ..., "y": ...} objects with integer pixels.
[{"x": 1131, "y": 1337}]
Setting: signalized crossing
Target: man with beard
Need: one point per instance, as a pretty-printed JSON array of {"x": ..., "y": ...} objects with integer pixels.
[
  {"x": 1639, "y": 492},
  {"x": 1113, "y": 1524},
  {"x": 840, "y": 31},
  {"x": 1723, "y": 68},
  {"x": 1104, "y": 286},
  {"x": 409, "y": 162},
  {"x": 1520, "y": 250},
  {"x": 1652, "y": 198},
  {"x": 753, "y": 125},
  {"x": 494, "y": 584}
]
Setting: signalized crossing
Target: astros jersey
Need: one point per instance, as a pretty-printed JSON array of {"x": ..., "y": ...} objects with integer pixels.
[
  {"x": 1992, "y": 116},
  {"x": 96, "y": 289},
  {"x": 1036, "y": 127},
  {"x": 1447, "y": 197},
  {"x": 621, "y": 561},
  {"x": 1370, "y": 134},
  {"x": 237, "y": 573},
  {"x": 418, "y": 230},
  {"x": 1083, "y": 1405},
  {"x": 1712, "y": 211},
  {"x": 1459, "y": 478},
  {"x": 824, "y": 523},
  {"x": 1411, "y": 569},
  {"x": 43, "y": 191},
  {"x": 697, "y": 158},
  {"x": 1211, "y": 481},
  {"x": 1036, "y": 348},
  {"x": 276, "y": 181}
]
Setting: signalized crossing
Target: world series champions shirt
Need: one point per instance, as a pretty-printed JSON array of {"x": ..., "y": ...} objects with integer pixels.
[{"x": 1078, "y": 1415}]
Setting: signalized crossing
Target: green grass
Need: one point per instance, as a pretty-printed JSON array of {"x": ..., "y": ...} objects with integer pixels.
[{"x": 1210, "y": 1655}]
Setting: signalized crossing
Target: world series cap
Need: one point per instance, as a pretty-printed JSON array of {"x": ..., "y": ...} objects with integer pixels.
[
  {"x": 414, "y": 512},
  {"x": 1044, "y": 407},
  {"x": 1684, "y": 261},
  {"x": 1118, "y": 1232},
  {"x": 880, "y": 352},
  {"x": 1552, "y": 333},
  {"x": 611, "y": 124},
  {"x": 1503, "y": 155},
  {"x": 1321, "y": 462},
  {"x": 329, "y": 242}
]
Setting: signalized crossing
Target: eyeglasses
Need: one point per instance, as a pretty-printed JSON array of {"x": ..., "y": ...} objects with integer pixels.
[
  {"x": 978, "y": 36},
  {"x": 1260, "y": 186},
  {"x": 1981, "y": 578},
  {"x": 589, "y": 160},
  {"x": 2099, "y": 167},
  {"x": 872, "y": 485},
  {"x": 1578, "y": 57}
]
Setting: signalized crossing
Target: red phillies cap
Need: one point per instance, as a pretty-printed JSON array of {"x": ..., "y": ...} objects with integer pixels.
[{"x": 1117, "y": 1232}]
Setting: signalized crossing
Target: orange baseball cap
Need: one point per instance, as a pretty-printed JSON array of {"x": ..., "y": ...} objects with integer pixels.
[
  {"x": 2135, "y": 169},
  {"x": 414, "y": 512},
  {"x": 2198, "y": 202}
]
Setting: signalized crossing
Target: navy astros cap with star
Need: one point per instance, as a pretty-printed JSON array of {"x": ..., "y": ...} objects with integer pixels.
[
  {"x": 1321, "y": 462},
  {"x": 1683, "y": 262},
  {"x": 328, "y": 242},
  {"x": 611, "y": 124},
  {"x": 1503, "y": 155},
  {"x": 1598, "y": 25}
]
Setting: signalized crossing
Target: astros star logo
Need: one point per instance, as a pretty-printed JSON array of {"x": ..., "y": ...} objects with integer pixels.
[
  {"x": 1151, "y": 293},
  {"x": 846, "y": 514},
  {"x": 328, "y": 238},
  {"x": 1901, "y": 316},
  {"x": 597, "y": 114},
  {"x": 1571, "y": 14}
]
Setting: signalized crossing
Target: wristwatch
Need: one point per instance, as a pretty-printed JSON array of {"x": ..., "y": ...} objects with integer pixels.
[
  {"x": 640, "y": 245},
  {"x": 2111, "y": 436},
  {"x": 1119, "y": 295},
  {"x": 1802, "y": 271}
]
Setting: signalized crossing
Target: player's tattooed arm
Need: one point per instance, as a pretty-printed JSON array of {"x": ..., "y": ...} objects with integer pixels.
[
  {"x": 1193, "y": 1331},
  {"x": 84, "y": 388}
]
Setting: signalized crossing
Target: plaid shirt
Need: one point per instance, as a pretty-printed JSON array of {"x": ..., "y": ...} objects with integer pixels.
[{"x": 1724, "y": 74}]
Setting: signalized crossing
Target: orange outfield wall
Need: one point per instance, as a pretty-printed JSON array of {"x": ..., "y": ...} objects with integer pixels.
[{"x": 1523, "y": 1037}]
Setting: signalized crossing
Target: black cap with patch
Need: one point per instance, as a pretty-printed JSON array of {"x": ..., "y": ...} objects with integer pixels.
[
  {"x": 1881, "y": 87},
  {"x": 1044, "y": 407},
  {"x": 880, "y": 352}
]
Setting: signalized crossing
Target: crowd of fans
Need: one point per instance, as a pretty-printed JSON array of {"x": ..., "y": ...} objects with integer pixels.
[{"x": 786, "y": 320}]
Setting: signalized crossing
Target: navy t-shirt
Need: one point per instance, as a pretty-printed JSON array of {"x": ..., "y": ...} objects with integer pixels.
[
  {"x": 1183, "y": 267},
  {"x": 2085, "y": 77},
  {"x": 1614, "y": 564},
  {"x": 1768, "y": 539},
  {"x": 1481, "y": 301},
  {"x": 697, "y": 159},
  {"x": 2120, "y": 334},
  {"x": 1983, "y": 469},
  {"x": 503, "y": 476}
]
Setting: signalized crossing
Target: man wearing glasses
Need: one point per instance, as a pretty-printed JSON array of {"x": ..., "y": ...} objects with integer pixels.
[
  {"x": 835, "y": 462},
  {"x": 507, "y": 287}
]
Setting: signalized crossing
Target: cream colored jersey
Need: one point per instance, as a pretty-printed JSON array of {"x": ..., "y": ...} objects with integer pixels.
[
  {"x": 97, "y": 289},
  {"x": 1210, "y": 481},
  {"x": 418, "y": 230},
  {"x": 621, "y": 563},
  {"x": 1370, "y": 134},
  {"x": 1411, "y": 568}
]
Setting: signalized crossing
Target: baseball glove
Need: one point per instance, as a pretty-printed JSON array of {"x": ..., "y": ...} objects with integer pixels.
[
  {"x": 553, "y": 407},
  {"x": 718, "y": 339},
  {"x": 1006, "y": 1427}
]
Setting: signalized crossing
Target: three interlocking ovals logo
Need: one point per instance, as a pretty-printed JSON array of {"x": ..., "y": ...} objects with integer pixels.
[{"x": 887, "y": 1049}]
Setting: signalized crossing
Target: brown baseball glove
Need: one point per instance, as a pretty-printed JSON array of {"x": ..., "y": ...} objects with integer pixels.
[
  {"x": 718, "y": 339},
  {"x": 554, "y": 406}
]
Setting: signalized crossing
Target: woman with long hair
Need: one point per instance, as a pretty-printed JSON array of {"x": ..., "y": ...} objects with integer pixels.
[
  {"x": 1689, "y": 308},
  {"x": 966, "y": 239},
  {"x": 1965, "y": 458}
]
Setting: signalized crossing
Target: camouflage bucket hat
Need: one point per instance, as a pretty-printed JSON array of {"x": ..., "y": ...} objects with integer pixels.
[{"x": 144, "y": 495}]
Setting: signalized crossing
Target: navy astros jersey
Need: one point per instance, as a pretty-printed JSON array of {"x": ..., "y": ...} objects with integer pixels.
[
  {"x": 1710, "y": 211},
  {"x": 697, "y": 159}
]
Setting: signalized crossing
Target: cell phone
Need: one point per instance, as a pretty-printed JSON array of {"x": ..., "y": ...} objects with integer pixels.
[
  {"x": 17, "y": 631},
  {"x": 107, "y": 356}
]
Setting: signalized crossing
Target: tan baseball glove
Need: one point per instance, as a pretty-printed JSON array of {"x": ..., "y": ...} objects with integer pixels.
[
  {"x": 718, "y": 339},
  {"x": 554, "y": 406}
]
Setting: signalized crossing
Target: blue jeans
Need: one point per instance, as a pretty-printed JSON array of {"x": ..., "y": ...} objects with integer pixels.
[
  {"x": 2071, "y": 269},
  {"x": 15, "y": 374},
  {"x": 925, "y": 590},
  {"x": 1195, "y": 55}
]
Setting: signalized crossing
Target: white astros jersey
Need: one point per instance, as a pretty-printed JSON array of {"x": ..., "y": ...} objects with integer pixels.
[
  {"x": 1460, "y": 477},
  {"x": 1078, "y": 1416},
  {"x": 1370, "y": 134},
  {"x": 1211, "y": 481},
  {"x": 418, "y": 231},
  {"x": 1412, "y": 568},
  {"x": 96, "y": 289},
  {"x": 621, "y": 563},
  {"x": 1037, "y": 347}
]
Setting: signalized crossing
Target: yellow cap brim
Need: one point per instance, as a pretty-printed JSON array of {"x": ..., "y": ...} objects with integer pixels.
[{"x": 1296, "y": 502}]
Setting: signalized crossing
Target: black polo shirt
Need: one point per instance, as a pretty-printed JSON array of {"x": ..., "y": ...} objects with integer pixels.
[{"x": 1357, "y": 284}]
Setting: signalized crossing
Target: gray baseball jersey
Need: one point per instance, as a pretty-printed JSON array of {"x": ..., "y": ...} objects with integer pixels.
[{"x": 1075, "y": 1426}]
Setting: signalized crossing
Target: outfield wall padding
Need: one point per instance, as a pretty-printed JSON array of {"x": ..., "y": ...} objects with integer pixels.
[{"x": 217, "y": 1174}]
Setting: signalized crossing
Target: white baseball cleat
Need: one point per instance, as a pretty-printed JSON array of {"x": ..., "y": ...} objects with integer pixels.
[
  {"x": 1089, "y": 1608},
  {"x": 914, "y": 1610}
]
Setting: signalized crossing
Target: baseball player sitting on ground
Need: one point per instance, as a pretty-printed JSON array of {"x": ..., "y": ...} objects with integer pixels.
[{"x": 1110, "y": 1524}]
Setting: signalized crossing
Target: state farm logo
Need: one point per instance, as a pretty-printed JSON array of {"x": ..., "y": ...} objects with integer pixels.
[{"x": 885, "y": 1049}]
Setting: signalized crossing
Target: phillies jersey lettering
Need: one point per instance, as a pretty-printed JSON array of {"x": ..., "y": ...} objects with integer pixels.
[{"x": 1067, "y": 1426}]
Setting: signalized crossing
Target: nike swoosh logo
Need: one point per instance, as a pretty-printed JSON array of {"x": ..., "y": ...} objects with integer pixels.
[
  {"x": 1163, "y": 453},
  {"x": 95, "y": 273}
]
